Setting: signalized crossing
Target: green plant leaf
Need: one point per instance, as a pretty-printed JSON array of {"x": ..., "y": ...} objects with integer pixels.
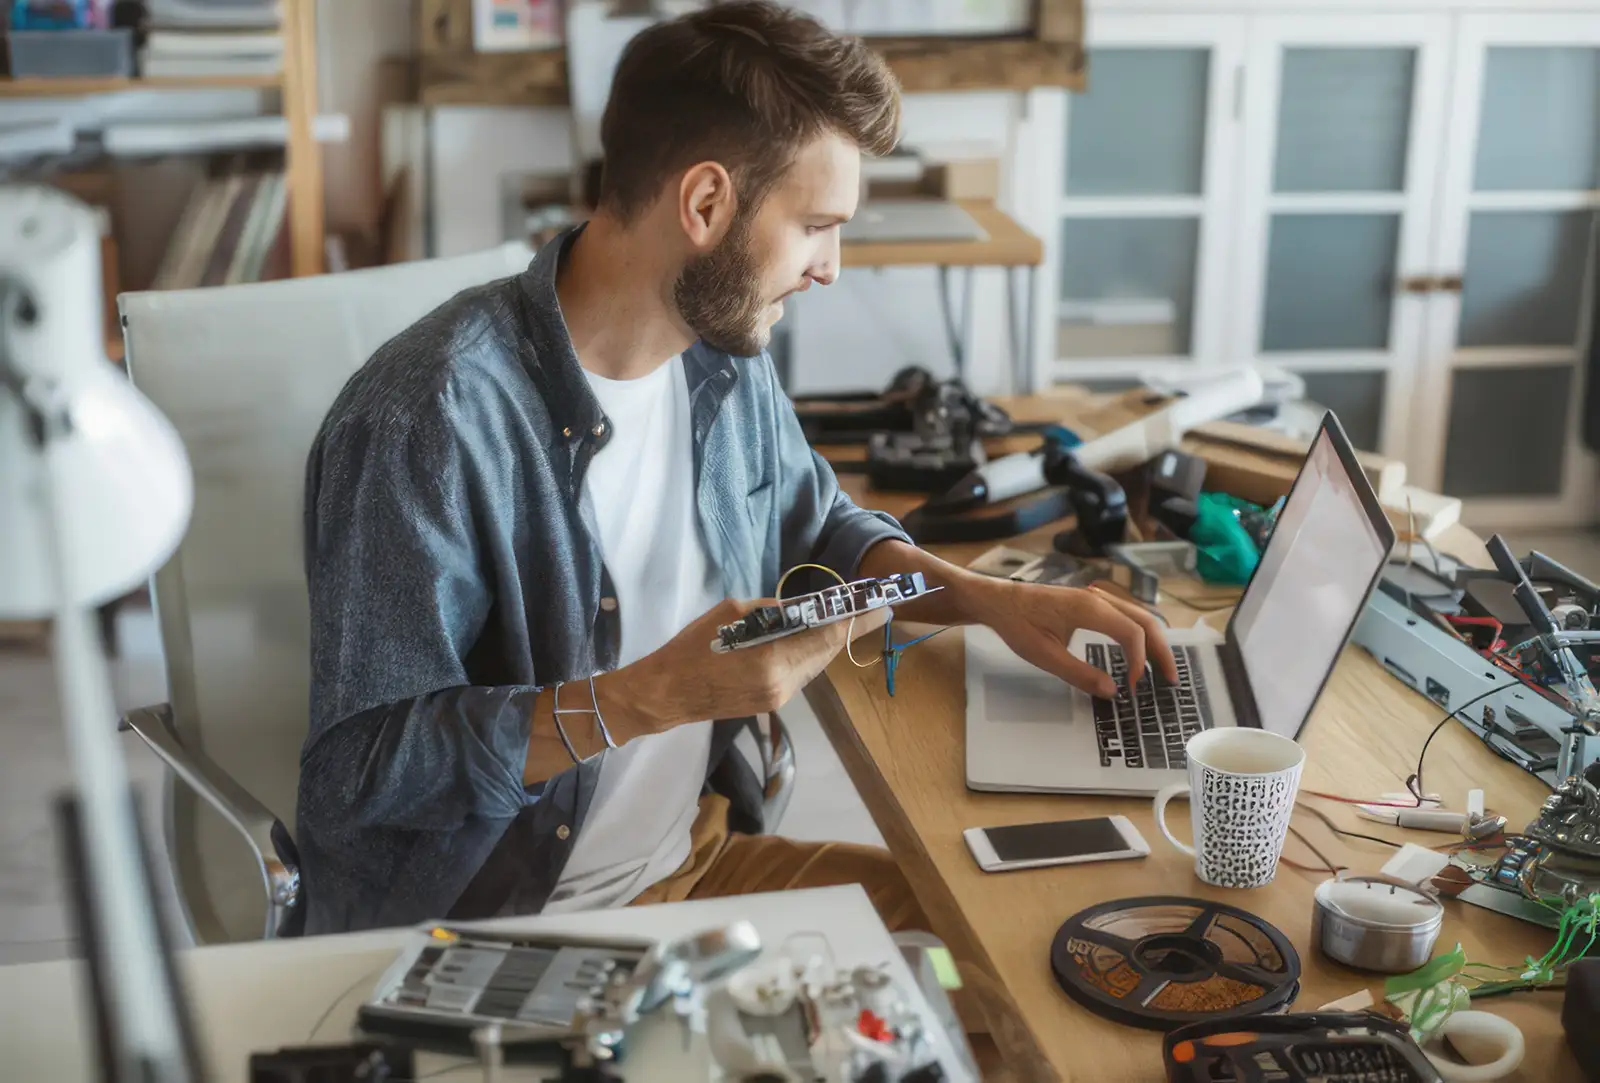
[{"x": 1438, "y": 969}]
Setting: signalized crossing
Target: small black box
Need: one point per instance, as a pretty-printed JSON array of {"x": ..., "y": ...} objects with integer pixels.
[{"x": 1580, "y": 1015}]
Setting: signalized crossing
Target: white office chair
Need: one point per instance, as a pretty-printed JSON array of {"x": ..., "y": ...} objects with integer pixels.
[{"x": 246, "y": 374}]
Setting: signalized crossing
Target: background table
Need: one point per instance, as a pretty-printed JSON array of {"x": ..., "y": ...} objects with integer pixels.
[
  {"x": 906, "y": 756},
  {"x": 265, "y": 995},
  {"x": 1008, "y": 246}
]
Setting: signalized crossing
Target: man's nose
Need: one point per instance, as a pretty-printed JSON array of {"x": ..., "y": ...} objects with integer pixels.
[{"x": 826, "y": 269}]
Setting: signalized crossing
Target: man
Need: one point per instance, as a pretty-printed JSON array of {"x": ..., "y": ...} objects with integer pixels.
[{"x": 557, "y": 486}]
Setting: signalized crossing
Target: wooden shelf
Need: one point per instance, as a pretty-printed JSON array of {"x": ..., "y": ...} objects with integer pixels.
[
  {"x": 451, "y": 72},
  {"x": 60, "y": 88}
]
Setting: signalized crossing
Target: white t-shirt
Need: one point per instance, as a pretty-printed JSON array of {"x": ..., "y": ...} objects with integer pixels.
[{"x": 642, "y": 486}]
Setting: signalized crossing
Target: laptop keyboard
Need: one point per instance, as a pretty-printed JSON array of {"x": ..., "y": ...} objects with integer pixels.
[{"x": 1149, "y": 726}]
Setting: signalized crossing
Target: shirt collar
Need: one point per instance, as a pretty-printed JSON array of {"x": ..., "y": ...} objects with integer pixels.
[{"x": 554, "y": 364}]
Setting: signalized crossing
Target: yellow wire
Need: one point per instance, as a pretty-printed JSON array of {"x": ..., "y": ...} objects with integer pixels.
[
  {"x": 777, "y": 592},
  {"x": 784, "y": 578}
]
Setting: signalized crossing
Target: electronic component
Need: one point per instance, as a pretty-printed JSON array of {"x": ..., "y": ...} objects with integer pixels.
[
  {"x": 1525, "y": 724},
  {"x": 359, "y": 1062},
  {"x": 914, "y": 402},
  {"x": 911, "y": 462},
  {"x": 1138, "y": 568},
  {"x": 1326, "y": 1047},
  {"x": 1099, "y": 505},
  {"x": 826, "y": 606},
  {"x": 452, "y": 981},
  {"x": 787, "y": 1019},
  {"x": 1173, "y": 481}
]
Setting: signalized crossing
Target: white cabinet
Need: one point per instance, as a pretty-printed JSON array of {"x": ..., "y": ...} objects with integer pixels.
[
  {"x": 1509, "y": 335},
  {"x": 1398, "y": 205},
  {"x": 1146, "y": 185}
]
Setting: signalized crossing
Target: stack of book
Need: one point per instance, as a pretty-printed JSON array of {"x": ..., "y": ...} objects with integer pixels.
[
  {"x": 204, "y": 38},
  {"x": 232, "y": 230}
]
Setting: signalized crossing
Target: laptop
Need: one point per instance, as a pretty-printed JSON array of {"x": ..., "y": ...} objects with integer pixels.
[
  {"x": 893, "y": 220},
  {"x": 1027, "y": 730}
]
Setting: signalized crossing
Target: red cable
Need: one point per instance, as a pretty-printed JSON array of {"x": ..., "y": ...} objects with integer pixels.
[{"x": 1360, "y": 800}]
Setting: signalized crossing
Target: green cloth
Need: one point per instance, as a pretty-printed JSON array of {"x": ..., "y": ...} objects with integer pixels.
[{"x": 1224, "y": 550}]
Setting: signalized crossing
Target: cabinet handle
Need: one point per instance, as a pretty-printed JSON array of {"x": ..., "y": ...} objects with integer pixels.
[
  {"x": 1450, "y": 283},
  {"x": 1418, "y": 284}
]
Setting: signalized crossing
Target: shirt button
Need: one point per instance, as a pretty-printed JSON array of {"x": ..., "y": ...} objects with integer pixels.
[
  {"x": 608, "y": 604},
  {"x": 563, "y": 832},
  {"x": 600, "y": 429},
  {"x": 567, "y": 432}
]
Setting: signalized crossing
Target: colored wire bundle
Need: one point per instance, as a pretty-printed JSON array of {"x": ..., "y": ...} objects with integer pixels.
[{"x": 892, "y": 651}]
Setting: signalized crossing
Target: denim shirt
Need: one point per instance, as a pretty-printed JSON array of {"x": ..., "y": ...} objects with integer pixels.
[{"x": 454, "y": 570}]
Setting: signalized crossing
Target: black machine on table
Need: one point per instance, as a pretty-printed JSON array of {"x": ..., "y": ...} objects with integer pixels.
[
  {"x": 921, "y": 434},
  {"x": 1311, "y": 1047}
]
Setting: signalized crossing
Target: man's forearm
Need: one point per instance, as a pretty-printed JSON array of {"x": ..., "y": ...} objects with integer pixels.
[
  {"x": 548, "y": 755},
  {"x": 952, "y": 605}
]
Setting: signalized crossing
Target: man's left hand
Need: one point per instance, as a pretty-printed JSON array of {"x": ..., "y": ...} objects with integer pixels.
[{"x": 1038, "y": 621}]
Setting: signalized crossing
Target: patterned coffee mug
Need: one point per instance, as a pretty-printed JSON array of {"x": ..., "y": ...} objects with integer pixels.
[{"x": 1241, "y": 789}]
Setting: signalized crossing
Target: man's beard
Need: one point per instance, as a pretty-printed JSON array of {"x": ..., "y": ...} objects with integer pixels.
[{"x": 719, "y": 296}]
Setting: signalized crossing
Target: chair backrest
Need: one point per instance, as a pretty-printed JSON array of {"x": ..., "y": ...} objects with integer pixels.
[{"x": 246, "y": 374}]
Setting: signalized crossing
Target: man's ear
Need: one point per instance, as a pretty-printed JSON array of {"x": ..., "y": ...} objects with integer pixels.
[{"x": 707, "y": 204}]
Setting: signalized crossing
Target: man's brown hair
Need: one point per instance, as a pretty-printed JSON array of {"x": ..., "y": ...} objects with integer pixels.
[{"x": 746, "y": 83}]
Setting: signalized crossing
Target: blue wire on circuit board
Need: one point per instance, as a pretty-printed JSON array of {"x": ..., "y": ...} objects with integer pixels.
[{"x": 892, "y": 651}]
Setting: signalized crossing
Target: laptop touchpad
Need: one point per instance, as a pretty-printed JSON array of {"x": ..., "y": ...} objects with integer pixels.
[{"x": 1026, "y": 697}]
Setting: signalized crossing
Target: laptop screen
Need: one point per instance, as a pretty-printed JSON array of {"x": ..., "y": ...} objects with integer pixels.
[{"x": 1320, "y": 564}]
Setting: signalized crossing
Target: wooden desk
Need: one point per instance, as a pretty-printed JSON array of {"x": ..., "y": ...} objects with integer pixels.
[
  {"x": 906, "y": 756},
  {"x": 1008, "y": 246}
]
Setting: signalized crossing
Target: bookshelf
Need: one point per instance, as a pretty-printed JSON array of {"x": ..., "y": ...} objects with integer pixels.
[
  {"x": 297, "y": 92},
  {"x": 60, "y": 88}
]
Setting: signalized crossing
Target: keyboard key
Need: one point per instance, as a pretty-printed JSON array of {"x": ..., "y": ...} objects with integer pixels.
[{"x": 1149, "y": 725}]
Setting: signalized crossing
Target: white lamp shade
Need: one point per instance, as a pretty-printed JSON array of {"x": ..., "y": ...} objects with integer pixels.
[{"x": 116, "y": 476}]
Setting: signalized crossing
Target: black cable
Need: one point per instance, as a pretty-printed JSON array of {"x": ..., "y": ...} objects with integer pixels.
[
  {"x": 1327, "y": 822},
  {"x": 1414, "y": 783}
]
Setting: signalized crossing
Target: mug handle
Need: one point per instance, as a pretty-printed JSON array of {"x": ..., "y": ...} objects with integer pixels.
[{"x": 1166, "y": 794}]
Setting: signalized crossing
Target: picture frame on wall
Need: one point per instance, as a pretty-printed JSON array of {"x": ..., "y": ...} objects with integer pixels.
[{"x": 509, "y": 26}]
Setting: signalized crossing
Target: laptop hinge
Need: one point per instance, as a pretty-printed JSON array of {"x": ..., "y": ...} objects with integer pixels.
[{"x": 1244, "y": 704}]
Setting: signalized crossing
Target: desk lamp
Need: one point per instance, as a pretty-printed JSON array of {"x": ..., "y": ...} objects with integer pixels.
[{"x": 95, "y": 493}]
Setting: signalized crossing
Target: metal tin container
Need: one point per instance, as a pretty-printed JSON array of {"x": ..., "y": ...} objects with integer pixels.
[{"x": 1375, "y": 923}]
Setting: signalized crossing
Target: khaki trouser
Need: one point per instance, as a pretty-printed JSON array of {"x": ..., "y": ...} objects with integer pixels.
[{"x": 722, "y": 863}]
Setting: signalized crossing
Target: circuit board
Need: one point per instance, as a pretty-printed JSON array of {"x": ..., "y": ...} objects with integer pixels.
[
  {"x": 826, "y": 606},
  {"x": 450, "y": 980}
]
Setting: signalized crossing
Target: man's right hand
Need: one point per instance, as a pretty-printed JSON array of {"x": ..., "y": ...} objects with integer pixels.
[{"x": 686, "y": 681}]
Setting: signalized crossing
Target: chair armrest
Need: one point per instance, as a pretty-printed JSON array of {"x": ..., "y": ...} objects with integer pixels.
[
  {"x": 778, "y": 770},
  {"x": 268, "y": 839}
]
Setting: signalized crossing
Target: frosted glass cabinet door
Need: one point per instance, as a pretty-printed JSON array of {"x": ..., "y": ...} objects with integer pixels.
[
  {"x": 1540, "y": 128},
  {"x": 1146, "y": 185},
  {"x": 1344, "y": 119},
  {"x": 1341, "y": 159},
  {"x": 1127, "y": 286},
  {"x": 1509, "y": 342},
  {"x": 1330, "y": 282},
  {"x": 1140, "y": 128}
]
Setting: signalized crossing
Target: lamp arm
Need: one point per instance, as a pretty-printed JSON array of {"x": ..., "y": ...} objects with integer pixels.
[{"x": 146, "y": 1035}]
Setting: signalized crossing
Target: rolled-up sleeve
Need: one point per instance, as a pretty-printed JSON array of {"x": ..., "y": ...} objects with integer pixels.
[
  {"x": 398, "y": 595},
  {"x": 821, "y": 524}
]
